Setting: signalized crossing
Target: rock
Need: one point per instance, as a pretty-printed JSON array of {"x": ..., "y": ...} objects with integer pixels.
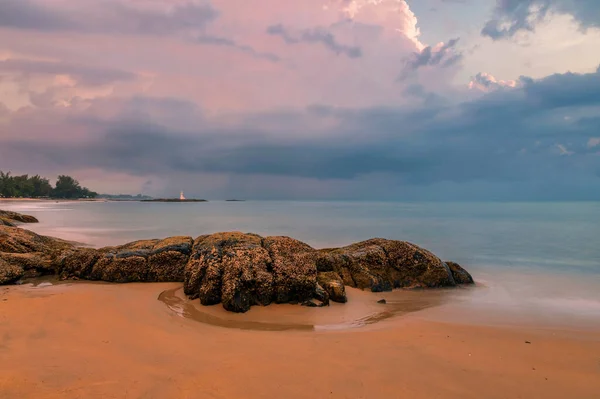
[
  {"x": 78, "y": 263},
  {"x": 10, "y": 273},
  {"x": 28, "y": 253},
  {"x": 6, "y": 222},
  {"x": 139, "y": 261},
  {"x": 9, "y": 215},
  {"x": 232, "y": 268},
  {"x": 310, "y": 304},
  {"x": 362, "y": 265},
  {"x": 123, "y": 264},
  {"x": 414, "y": 267},
  {"x": 167, "y": 259},
  {"x": 17, "y": 240},
  {"x": 321, "y": 295},
  {"x": 33, "y": 264},
  {"x": 461, "y": 276},
  {"x": 380, "y": 265},
  {"x": 382, "y": 301},
  {"x": 333, "y": 284},
  {"x": 235, "y": 269},
  {"x": 294, "y": 269}
]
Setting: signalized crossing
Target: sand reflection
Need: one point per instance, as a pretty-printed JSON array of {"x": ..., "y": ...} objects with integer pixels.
[{"x": 361, "y": 310}]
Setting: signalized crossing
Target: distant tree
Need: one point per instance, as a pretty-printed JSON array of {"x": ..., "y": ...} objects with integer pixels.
[{"x": 39, "y": 187}]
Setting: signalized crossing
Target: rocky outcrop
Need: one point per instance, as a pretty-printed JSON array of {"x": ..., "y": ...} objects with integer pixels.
[
  {"x": 461, "y": 276},
  {"x": 6, "y": 222},
  {"x": 234, "y": 269},
  {"x": 333, "y": 285},
  {"x": 381, "y": 265},
  {"x": 139, "y": 261},
  {"x": 9, "y": 216},
  {"x": 26, "y": 254}
]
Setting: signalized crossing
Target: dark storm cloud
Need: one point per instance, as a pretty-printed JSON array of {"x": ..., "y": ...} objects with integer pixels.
[
  {"x": 514, "y": 137},
  {"x": 83, "y": 74},
  {"x": 445, "y": 56},
  {"x": 26, "y": 14},
  {"x": 316, "y": 35},
  {"x": 113, "y": 17},
  {"x": 512, "y": 16}
]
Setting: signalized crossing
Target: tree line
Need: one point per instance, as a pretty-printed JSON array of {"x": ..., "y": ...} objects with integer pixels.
[{"x": 36, "y": 186}]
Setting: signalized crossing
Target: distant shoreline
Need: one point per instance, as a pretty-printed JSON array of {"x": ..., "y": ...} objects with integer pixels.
[
  {"x": 173, "y": 200},
  {"x": 52, "y": 199}
]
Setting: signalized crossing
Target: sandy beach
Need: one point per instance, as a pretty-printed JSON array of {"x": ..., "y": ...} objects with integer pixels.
[{"x": 118, "y": 341}]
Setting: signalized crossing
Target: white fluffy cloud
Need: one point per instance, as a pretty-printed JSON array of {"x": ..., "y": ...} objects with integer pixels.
[{"x": 486, "y": 82}]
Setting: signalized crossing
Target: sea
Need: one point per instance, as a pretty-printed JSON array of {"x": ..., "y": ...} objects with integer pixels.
[{"x": 531, "y": 260}]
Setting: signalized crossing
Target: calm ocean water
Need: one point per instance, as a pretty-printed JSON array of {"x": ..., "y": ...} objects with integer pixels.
[{"x": 528, "y": 257}]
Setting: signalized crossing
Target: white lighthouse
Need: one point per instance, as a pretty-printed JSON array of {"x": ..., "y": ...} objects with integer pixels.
[{"x": 181, "y": 196}]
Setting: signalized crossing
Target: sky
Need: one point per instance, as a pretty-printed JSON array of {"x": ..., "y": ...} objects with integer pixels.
[{"x": 419, "y": 100}]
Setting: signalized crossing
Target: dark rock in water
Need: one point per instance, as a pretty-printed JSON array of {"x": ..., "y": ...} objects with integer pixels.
[
  {"x": 382, "y": 301},
  {"x": 461, "y": 276},
  {"x": 333, "y": 284},
  {"x": 17, "y": 217}
]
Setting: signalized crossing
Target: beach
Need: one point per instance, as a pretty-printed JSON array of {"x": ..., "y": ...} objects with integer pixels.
[
  {"x": 529, "y": 327},
  {"x": 118, "y": 341}
]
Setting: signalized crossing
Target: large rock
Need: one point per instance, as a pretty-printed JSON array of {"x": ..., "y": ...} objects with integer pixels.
[
  {"x": 10, "y": 273},
  {"x": 17, "y": 240},
  {"x": 27, "y": 254},
  {"x": 236, "y": 269},
  {"x": 167, "y": 259},
  {"x": 461, "y": 276},
  {"x": 381, "y": 265},
  {"x": 294, "y": 269},
  {"x": 139, "y": 261},
  {"x": 6, "y": 222},
  {"x": 232, "y": 268},
  {"x": 334, "y": 286},
  {"x": 9, "y": 215}
]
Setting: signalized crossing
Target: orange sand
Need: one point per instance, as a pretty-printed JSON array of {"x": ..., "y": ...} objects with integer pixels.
[{"x": 119, "y": 341}]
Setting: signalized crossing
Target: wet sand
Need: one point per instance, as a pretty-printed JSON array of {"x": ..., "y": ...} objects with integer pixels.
[{"x": 118, "y": 341}]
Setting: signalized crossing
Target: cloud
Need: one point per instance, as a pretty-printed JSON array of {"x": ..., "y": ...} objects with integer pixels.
[
  {"x": 486, "y": 82},
  {"x": 87, "y": 75},
  {"x": 225, "y": 42},
  {"x": 113, "y": 16},
  {"x": 443, "y": 55},
  {"x": 27, "y": 14},
  {"x": 315, "y": 35},
  {"x": 593, "y": 142},
  {"x": 392, "y": 14},
  {"x": 514, "y": 16},
  {"x": 474, "y": 142}
]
